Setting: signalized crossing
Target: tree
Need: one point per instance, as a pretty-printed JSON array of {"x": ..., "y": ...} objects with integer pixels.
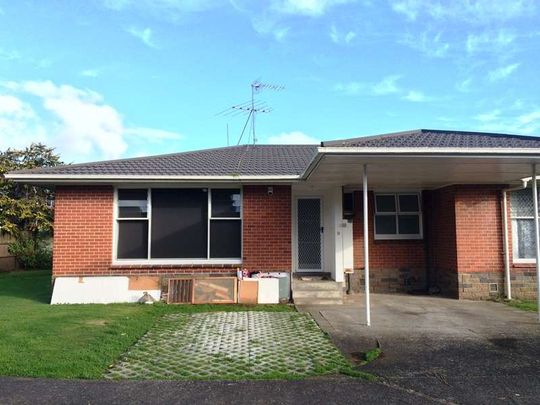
[{"x": 26, "y": 210}]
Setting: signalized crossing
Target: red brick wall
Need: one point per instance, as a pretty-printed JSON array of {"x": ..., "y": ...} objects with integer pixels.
[
  {"x": 383, "y": 253},
  {"x": 267, "y": 229},
  {"x": 440, "y": 234},
  {"x": 479, "y": 229},
  {"x": 82, "y": 230}
]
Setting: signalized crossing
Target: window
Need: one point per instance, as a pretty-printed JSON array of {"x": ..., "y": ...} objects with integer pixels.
[
  {"x": 164, "y": 224},
  {"x": 348, "y": 205},
  {"x": 398, "y": 216},
  {"x": 522, "y": 217}
]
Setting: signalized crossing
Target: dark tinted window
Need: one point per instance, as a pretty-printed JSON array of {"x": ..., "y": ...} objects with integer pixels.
[
  {"x": 385, "y": 203},
  {"x": 179, "y": 223},
  {"x": 409, "y": 224},
  {"x": 348, "y": 205},
  {"x": 226, "y": 203},
  {"x": 133, "y": 239},
  {"x": 385, "y": 224},
  {"x": 225, "y": 238},
  {"x": 408, "y": 203},
  {"x": 132, "y": 203}
]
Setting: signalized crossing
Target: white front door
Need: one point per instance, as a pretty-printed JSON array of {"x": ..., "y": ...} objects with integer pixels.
[{"x": 309, "y": 234}]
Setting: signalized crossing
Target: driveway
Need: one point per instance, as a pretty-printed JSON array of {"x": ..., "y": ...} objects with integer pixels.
[{"x": 458, "y": 351}]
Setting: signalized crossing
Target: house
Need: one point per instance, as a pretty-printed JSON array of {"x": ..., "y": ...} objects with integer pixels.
[{"x": 446, "y": 210}]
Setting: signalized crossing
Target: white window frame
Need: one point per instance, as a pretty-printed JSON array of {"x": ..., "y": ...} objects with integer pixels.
[
  {"x": 515, "y": 258},
  {"x": 195, "y": 261},
  {"x": 396, "y": 213}
]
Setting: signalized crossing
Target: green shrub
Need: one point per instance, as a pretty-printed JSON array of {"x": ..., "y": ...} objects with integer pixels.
[{"x": 32, "y": 253}]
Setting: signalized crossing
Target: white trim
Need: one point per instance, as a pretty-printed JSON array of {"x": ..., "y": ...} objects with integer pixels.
[
  {"x": 145, "y": 178},
  {"x": 396, "y": 214},
  {"x": 445, "y": 152},
  {"x": 321, "y": 210},
  {"x": 150, "y": 262}
]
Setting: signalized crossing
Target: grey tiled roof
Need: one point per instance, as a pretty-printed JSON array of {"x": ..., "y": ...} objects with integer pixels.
[
  {"x": 431, "y": 138},
  {"x": 244, "y": 160}
]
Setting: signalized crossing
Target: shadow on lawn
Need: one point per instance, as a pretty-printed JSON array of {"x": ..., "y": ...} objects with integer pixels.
[{"x": 34, "y": 285}]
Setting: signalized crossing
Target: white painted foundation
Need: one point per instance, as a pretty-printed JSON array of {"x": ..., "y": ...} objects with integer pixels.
[{"x": 96, "y": 290}]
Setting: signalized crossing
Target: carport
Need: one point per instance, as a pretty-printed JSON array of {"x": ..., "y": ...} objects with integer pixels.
[{"x": 340, "y": 164}]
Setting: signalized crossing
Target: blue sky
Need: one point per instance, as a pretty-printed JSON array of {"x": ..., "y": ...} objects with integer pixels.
[{"x": 106, "y": 79}]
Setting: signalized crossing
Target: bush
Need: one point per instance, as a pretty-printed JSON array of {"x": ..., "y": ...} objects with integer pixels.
[{"x": 32, "y": 253}]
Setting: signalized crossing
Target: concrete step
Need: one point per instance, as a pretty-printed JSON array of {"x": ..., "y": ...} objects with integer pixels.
[
  {"x": 323, "y": 294},
  {"x": 310, "y": 301},
  {"x": 300, "y": 285}
]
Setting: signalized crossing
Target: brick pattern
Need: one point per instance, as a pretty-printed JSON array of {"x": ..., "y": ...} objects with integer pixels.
[
  {"x": 84, "y": 231},
  {"x": 394, "y": 264},
  {"x": 440, "y": 232},
  {"x": 477, "y": 285},
  {"x": 479, "y": 229},
  {"x": 267, "y": 228},
  {"x": 389, "y": 280},
  {"x": 83, "y": 219}
]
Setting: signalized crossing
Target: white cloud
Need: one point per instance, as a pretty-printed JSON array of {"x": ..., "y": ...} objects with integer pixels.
[
  {"x": 145, "y": 35},
  {"x": 339, "y": 38},
  {"x": 265, "y": 25},
  {"x": 90, "y": 73},
  {"x": 75, "y": 121},
  {"x": 311, "y": 8},
  {"x": 502, "y": 72},
  {"x": 489, "y": 41},
  {"x": 471, "y": 11},
  {"x": 489, "y": 116},
  {"x": 428, "y": 44},
  {"x": 384, "y": 87},
  {"x": 464, "y": 86},
  {"x": 496, "y": 121},
  {"x": 9, "y": 55},
  {"x": 416, "y": 97},
  {"x": 292, "y": 138}
]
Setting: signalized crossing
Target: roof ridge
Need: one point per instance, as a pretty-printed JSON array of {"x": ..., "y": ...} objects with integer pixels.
[
  {"x": 380, "y": 136},
  {"x": 481, "y": 133}
]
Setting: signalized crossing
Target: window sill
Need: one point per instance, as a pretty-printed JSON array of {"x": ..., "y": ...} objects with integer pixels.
[
  {"x": 398, "y": 237},
  {"x": 176, "y": 263}
]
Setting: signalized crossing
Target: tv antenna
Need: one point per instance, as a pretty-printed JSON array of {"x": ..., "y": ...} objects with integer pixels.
[{"x": 251, "y": 108}]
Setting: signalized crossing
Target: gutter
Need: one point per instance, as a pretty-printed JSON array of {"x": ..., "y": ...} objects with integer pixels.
[
  {"x": 506, "y": 249},
  {"x": 75, "y": 178}
]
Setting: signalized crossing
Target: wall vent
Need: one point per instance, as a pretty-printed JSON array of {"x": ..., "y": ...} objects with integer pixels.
[
  {"x": 180, "y": 291},
  {"x": 493, "y": 287}
]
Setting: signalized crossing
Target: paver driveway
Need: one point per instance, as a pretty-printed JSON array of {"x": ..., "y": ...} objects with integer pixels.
[
  {"x": 231, "y": 345},
  {"x": 458, "y": 351}
]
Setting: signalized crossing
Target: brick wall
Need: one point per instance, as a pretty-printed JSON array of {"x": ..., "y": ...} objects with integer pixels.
[
  {"x": 440, "y": 234},
  {"x": 82, "y": 230},
  {"x": 393, "y": 263},
  {"x": 267, "y": 229},
  {"x": 479, "y": 240}
]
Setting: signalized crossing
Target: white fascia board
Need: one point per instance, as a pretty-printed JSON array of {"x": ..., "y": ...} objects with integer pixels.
[
  {"x": 429, "y": 152},
  {"x": 74, "y": 178}
]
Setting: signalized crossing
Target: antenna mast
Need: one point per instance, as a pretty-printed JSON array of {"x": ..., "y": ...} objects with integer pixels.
[{"x": 252, "y": 108}]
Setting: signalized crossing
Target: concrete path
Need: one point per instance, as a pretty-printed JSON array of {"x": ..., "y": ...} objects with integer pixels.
[
  {"x": 457, "y": 351},
  {"x": 340, "y": 390}
]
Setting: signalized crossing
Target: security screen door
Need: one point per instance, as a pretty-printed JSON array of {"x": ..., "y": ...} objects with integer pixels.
[{"x": 309, "y": 234}]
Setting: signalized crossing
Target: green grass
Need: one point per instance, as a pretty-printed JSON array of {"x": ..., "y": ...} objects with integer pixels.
[
  {"x": 73, "y": 341},
  {"x": 525, "y": 305}
]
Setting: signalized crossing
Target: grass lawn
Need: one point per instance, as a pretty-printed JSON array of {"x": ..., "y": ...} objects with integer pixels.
[
  {"x": 73, "y": 341},
  {"x": 525, "y": 305}
]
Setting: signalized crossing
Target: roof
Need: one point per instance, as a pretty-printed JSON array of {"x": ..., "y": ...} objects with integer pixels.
[
  {"x": 244, "y": 160},
  {"x": 280, "y": 162},
  {"x": 434, "y": 138}
]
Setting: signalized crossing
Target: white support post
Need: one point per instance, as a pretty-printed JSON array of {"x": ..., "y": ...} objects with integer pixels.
[
  {"x": 536, "y": 235},
  {"x": 508, "y": 283},
  {"x": 366, "y": 246}
]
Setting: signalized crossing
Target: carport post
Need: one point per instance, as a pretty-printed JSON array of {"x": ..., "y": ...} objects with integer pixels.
[
  {"x": 536, "y": 235},
  {"x": 366, "y": 247}
]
